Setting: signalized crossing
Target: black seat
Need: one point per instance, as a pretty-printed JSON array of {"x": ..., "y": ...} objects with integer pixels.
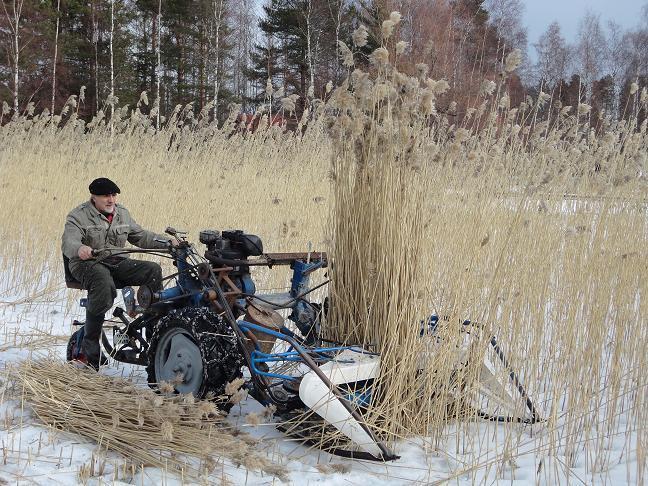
[{"x": 70, "y": 281}]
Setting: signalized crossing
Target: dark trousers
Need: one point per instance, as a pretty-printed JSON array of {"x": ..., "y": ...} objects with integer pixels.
[{"x": 102, "y": 281}]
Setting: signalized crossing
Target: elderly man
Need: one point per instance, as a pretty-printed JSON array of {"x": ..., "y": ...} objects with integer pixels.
[{"x": 101, "y": 223}]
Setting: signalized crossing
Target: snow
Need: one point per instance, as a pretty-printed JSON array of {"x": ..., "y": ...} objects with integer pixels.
[{"x": 32, "y": 453}]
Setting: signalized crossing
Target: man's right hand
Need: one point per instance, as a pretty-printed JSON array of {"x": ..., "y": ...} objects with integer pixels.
[{"x": 85, "y": 252}]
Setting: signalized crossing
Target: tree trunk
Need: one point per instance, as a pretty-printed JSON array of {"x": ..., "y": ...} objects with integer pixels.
[
  {"x": 218, "y": 17},
  {"x": 58, "y": 18},
  {"x": 201, "y": 66},
  {"x": 112, "y": 66},
  {"x": 338, "y": 25},
  {"x": 309, "y": 52},
  {"x": 95, "y": 42},
  {"x": 181, "y": 65},
  {"x": 14, "y": 26},
  {"x": 158, "y": 68},
  {"x": 15, "y": 93}
]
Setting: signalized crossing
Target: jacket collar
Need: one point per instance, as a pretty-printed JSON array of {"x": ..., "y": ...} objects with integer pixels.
[{"x": 95, "y": 212}]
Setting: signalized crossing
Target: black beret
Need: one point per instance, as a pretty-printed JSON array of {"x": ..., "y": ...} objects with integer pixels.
[{"x": 103, "y": 187}]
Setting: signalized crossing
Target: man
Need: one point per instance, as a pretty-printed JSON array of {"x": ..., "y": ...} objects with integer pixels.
[{"x": 101, "y": 223}]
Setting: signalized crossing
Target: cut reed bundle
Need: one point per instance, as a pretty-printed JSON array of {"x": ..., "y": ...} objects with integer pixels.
[{"x": 174, "y": 433}]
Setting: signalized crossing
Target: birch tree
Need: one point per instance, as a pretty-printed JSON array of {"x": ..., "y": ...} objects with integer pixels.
[
  {"x": 590, "y": 50},
  {"x": 506, "y": 16},
  {"x": 218, "y": 20},
  {"x": 158, "y": 67},
  {"x": 554, "y": 57},
  {"x": 309, "y": 49},
  {"x": 112, "y": 100},
  {"x": 13, "y": 20},
  {"x": 95, "y": 44},
  {"x": 614, "y": 61},
  {"x": 244, "y": 21},
  {"x": 336, "y": 8},
  {"x": 58, "y": 19}
]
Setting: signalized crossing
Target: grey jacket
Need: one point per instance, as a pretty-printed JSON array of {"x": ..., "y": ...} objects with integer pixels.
[{"x": 85, "y": 225}]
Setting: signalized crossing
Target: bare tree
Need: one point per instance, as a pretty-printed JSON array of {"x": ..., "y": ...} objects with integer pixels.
[
  {"x": 309, "y": 52},
  {"x": 218, "y": 22},
  {"x": 158, "y": 67},
  {"x": 636, "y": 48},
  {"x": 58, "y": 18},
  {"x": 336, "y": 9},
  {"x": 112, "y": 66},
  {"x": 95, "y": 43},
  {"x": 615, "y": 60},
  {"x": 243, "y": 21},
  {"x": 590, "y": 50},
  {"x": 13, "y": 20},
  {"x": 554, "y": 57},
  {"x": 506, "y": 17}
]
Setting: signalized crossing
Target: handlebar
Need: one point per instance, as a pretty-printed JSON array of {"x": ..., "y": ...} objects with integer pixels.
[
  {"x": 226, "y": 261},
  {"x": 107, "y": 252}
]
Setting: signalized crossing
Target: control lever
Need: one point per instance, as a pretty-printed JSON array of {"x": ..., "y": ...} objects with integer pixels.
[{"x": 119, "y": 314}]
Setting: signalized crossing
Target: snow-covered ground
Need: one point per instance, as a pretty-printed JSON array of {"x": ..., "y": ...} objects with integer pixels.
[{"x": 32, "y": 453}]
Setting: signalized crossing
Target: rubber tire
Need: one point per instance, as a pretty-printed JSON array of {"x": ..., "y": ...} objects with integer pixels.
[{"x": 221, "y": 356}]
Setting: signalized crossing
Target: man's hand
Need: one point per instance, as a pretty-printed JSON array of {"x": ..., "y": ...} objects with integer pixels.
[
  {"x": 174, "y": 243},
  {"x": 85, "y": 252}
]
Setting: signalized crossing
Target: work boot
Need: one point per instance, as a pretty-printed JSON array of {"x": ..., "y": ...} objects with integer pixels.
[
  {"x": 82, "y": 363},
  {"x": 90, "y": 345}
]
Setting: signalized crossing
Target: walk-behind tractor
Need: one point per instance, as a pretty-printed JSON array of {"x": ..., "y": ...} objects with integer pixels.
[{"x": 209, "y": 323}]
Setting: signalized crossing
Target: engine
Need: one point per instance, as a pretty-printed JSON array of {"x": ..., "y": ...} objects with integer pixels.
[
  {"x": 231, "y": 244},
  {"x": 230, "y": 248}
]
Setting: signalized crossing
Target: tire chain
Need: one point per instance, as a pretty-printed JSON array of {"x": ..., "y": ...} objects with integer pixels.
[{"x": 215, "y": 339}]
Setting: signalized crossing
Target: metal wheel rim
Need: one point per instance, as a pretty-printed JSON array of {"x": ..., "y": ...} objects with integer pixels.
[{"x": 178, "y": 360}]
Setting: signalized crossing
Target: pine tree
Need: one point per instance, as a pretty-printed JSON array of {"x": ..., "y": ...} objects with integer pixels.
[{"x": 299, "y": 46}]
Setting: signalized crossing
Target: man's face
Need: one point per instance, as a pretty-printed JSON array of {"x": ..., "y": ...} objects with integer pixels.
[{"x": 105, "y": 204}]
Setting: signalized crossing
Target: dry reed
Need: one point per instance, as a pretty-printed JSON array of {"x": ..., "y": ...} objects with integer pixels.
[{"x": 523, "y": 224}]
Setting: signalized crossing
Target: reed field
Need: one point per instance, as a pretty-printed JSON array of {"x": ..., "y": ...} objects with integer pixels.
[{"x": 529, "y": 220}]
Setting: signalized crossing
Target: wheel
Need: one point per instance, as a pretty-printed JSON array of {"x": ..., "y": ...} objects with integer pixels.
[{"x": 194, "y": 350}]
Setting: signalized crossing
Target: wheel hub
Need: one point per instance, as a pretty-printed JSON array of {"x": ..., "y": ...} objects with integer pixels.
[{"x": 178, "y": 360}]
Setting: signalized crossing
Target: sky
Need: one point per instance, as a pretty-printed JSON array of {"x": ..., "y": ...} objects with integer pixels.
[{"x": 568, "y": 13}]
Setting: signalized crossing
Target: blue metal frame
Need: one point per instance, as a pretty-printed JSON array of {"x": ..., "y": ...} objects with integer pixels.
[
  {"x": 300, "y": 278},
  {"x": 257, "y": 356},
  {"x": 299, "y": 284},
  {"x": 184, "y": 283}
]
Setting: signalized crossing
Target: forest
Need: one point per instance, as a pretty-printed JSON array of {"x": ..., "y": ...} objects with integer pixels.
[{"x": 95, "y": 55}]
